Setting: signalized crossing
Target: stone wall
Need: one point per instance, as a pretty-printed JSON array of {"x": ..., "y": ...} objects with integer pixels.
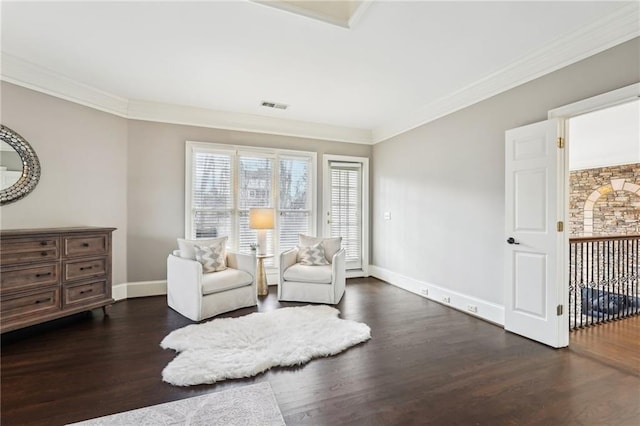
[{"x": 605, "y": 201}]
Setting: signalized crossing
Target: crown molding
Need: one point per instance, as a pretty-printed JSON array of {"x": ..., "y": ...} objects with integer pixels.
[
  {"x": 26, "y": 74},
  {"x": 606, "y": 100},
  {"x": 330, "y": 12},
  {"x": 613, "y": 29},
  {"x": 620, "y": 26},
  {"x": 193, "y": 116}
]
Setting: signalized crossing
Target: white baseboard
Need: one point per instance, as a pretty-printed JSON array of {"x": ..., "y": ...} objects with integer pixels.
[
  {"x": 119, "y": 291},
  {"x": 485, "y": 310},
  {"x": 139, "y": 289},
  {"x": 353, "y": 273},
  {"x": 273, "y": 275},
  {"x": 146, "y": 288}
]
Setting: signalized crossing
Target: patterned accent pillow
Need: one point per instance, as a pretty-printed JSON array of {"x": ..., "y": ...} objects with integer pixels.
[
  {"x": 187, "y": 250},
  {"x": 212, "y": 257},
  {"x": 312, "y": 255},
  {"x": 330, "y": 245}
]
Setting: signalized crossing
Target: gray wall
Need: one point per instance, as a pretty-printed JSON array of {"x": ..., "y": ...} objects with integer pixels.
[
  {"x": 83, "y": 156},
  {"x": 157, "y": 180},
  {"x": 444, "y": 181},
  {"x": 102, "y": 170}
]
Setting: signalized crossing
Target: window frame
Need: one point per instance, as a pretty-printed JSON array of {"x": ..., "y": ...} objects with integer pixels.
[{"x": 235, "y": 152}]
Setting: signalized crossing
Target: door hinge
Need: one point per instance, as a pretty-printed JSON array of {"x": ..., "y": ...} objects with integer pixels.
[
  {"x": 560, "y": 142},
  {"x": 560, "y": 226},
  {"x": 559, "y": 310}
]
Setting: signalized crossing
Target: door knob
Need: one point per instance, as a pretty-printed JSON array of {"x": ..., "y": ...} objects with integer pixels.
[{"x": 512, "y": 240}]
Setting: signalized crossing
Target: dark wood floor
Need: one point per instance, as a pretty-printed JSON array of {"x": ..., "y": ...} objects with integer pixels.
[
  {"x": 616, "y": 343},
  {"x": 425, "y": 364}
]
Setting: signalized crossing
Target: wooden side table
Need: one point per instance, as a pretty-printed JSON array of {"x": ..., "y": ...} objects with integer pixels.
[{"x": 261, "y": 279}]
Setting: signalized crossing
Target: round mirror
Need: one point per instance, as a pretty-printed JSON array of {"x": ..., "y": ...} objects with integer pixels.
[{"x": 19, "y": 166}]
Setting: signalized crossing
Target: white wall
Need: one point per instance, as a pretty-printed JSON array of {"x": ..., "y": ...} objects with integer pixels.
[
  {"x": 83, "y": 157},
  {"x": 443, "y": 184},
  {"x": 609, "y": 137}
]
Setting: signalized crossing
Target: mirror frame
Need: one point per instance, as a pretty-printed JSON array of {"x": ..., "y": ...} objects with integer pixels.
[{"x": 30, "y": 167}]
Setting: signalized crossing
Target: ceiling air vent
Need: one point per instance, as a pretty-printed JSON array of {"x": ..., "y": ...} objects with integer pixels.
[{"x": 274, "y": 105}]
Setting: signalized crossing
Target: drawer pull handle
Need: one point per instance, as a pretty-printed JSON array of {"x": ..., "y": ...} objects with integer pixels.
[
  {"x": 43, "y": 253},
  {"x": 43, "y": 275},
  {"x": 43, "y": 243},
  {"x": 85, "y": 244},
  {"x": 86, "y": 291},
  {"x": 42, "y": 300},
  {"x": 84, "y": 268}
]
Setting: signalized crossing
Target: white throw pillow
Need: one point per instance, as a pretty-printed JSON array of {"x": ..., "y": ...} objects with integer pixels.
[
  {"x": 330, "y": 245},
  {"x": 187, "y": 250},
  {"x": 212, "y": 257},
  {"x": 312, "y": 255}
]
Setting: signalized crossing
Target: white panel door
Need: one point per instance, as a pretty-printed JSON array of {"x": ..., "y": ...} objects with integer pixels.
[{"x": 534, "y": 260}]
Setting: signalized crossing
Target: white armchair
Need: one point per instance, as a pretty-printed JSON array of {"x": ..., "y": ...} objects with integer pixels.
[
  {"x": 197, "y": 295},
  {"x": 315, "y": 284}
]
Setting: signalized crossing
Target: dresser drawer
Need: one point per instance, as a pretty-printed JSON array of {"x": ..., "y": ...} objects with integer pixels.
[
  {"x": 83, "y": 293},
  {"x": 34, "y": 303},
  {"x": 23, "y": 250},
  {"x": 28, "y": 276},
  {"x": 85, "y": 245},
  {"x": 78, "y": 269}
]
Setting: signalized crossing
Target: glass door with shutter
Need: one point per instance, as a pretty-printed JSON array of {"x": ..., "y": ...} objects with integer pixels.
[{"x": 344, "y": 208}]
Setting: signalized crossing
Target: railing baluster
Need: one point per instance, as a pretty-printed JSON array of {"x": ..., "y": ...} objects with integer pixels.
[
  {"x": 627, "y": 275},
  {"x": 582, "y": 286},
  {"x": 574, "y": 274},
  {"x": 604, "y": 274},
  {"x": 605, "y": 288}
]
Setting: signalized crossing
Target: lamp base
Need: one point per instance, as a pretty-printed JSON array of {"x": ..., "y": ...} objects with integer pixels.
[
  {"x": 262, "y": 242},
  {"x": 261, "y": 278}
]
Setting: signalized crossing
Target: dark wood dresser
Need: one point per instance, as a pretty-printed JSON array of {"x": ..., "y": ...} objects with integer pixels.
[{"x": 50, "y": 273}]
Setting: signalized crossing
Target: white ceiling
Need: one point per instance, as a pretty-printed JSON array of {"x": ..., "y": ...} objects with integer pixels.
[{"x": 399, "y": 65}]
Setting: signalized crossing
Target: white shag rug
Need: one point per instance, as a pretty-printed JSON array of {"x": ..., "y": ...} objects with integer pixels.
[
  {"x": 231, "y": 348},
  {"x": 252, "y": 405}
]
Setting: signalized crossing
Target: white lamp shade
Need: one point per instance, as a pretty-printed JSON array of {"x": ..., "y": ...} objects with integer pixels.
[{"x": 261, "y": 218}]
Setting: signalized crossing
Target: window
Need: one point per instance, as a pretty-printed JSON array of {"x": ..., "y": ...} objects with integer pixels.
[
  {"x": 212, "y": 195},
  {"x": 255, "y": 189},
  {"x": 223, "y": 183},
  {"x": 294, "y": 211}
]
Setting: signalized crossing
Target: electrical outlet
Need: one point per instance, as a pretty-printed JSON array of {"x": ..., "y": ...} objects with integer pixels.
[
  {"x": 424, "y": 291},
  {"x": 446, "y": 299},
  {"x": 472, "y": 308}
]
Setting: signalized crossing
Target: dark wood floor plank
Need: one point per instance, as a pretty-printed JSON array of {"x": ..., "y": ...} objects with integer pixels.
[
  {"x": 615, "y": 343},
  {"x": 425, "y": 364}
]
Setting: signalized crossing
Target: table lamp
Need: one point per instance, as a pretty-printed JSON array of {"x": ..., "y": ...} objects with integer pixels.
[{"x": 261, "y": 219}]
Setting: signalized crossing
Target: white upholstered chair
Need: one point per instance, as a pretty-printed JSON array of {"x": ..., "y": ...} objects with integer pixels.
[
  {"x": 198, "y": 295},
  {"x": 313, "y": 283}
]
